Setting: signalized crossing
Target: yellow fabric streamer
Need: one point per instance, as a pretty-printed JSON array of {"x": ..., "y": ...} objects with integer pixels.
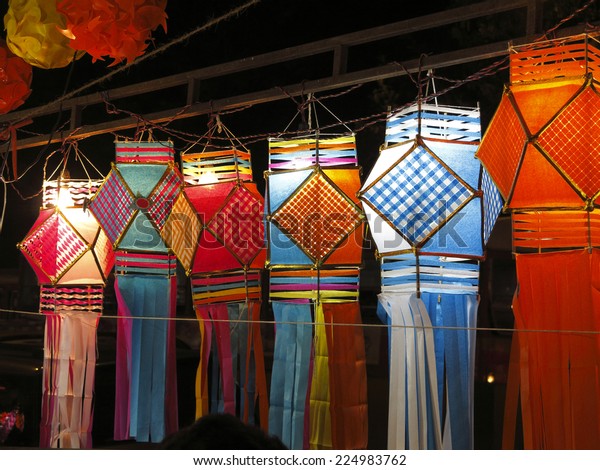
[
  {"x": 201, "y": 385},
  {"x": 320, "y": 417}
]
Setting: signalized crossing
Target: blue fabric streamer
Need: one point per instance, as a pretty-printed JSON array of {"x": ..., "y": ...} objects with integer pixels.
[
  {"x": 147, "y": 296},
  {"x": 290, "y": 374}
]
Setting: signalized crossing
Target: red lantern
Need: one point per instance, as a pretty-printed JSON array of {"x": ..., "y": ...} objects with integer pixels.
[
  {"x": 120, "y": 30},
  {"x": 15, "y": 80}
]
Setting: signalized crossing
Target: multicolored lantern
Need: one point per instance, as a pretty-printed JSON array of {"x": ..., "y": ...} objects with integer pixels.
[
  {"x": 221, "y": 214},
  {"x": 72, "y": 258},
  {"x": 33, "y": 32},
  {"x": 315, "y": 227},
  {"x": 542, "y": 150},
  {"x": 15, "y": 80},
  {"x": 133, "y": 205},
  {"x": 430, "y": 209},
  {"x": 108, "y": 28}
]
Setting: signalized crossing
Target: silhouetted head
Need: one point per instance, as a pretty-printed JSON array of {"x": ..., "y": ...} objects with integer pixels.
[{"x": 221, "y": 432}]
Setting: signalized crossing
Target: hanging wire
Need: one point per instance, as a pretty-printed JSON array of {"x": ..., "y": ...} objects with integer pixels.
[{"x": 361, "y": 325}]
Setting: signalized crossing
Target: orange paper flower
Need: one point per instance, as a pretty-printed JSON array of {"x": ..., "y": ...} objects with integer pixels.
[
  {"x": 15, "y": 80},
  {"x": 120, "y": 30}
]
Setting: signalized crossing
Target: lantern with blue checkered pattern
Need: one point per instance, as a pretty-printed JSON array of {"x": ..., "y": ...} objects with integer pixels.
[{"x": 431, "y": 208}]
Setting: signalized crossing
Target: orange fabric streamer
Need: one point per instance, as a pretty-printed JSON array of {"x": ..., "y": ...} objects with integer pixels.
[
  {"x": 556, "y": 308},
  {"x": 347, "y": 375}
]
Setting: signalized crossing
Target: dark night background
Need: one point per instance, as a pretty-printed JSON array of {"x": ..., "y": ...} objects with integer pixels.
[{"x": 269, "y": 26}]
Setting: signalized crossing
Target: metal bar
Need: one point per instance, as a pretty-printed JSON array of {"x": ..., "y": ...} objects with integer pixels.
[
  {"x": 383, "y": 72},
  {"x": 400, "y": 28},
  {"x": 265, "y": 96}
]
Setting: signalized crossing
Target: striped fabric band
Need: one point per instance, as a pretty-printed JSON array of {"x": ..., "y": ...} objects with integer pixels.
[
  {"x": 555, "y": 230},
  {"x": 545, "y": 60},
  {"x": 145, "y": 263},
  {"x": 144, "y": 152},
  {"x": 234, "y": 286},
  {"x": 326, "y": 285},
  {"x": 434, "y": 122},
  {"x": 399, "y": 274},
  {"x": 302, "y": 153},
  {"x": 73, "y": 299},
  {"x": 79, "y": 191},
  {"x": 212, "y": 167}
]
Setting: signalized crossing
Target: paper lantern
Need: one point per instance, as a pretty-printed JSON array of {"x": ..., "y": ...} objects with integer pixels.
[
  {"x": 315, "y": 227},
  {"x": 33, "y": 32},
  {"x": 224, "y": 256},
  {"x": 109, "y": 28},
  {"x": 72, "y": 257},
  {"x": 15, "y": 80},
  {"x": 431, "y": 209},
  {"x": 133, "y": 205},
  {"x": 542, "y": 149}
]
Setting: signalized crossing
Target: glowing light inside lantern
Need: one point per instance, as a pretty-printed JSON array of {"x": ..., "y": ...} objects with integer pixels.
[
  {"x": 208, "y": 178},
  {"x": 64, "y": 199}
]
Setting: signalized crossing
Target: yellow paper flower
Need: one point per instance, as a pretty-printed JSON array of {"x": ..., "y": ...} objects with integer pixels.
[{"x": 33, "y": 32}]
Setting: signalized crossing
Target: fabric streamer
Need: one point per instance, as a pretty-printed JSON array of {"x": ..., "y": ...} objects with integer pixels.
[
  {"x": 315, "y": 232},
  {"x": 72, "y": 315},
  {"x": 146, "y": 302}
]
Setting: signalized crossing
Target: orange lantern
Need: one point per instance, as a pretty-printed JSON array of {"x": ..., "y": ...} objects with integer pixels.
[
  {"x": 109, "y": 28},
  {"x": 15, "y": 80},
  {"x": 315, "y": 225},
  {"x": 33, "y": 32},
  {"x": 542, "y": 150}
]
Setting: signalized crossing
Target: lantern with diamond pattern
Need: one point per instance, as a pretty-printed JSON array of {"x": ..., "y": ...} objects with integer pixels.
[
  {"x": 218, "y": 236},
  {"x": 72, "y": 258},
  {"x": 430, "y": 209},
  {"x": 315, "y": 227},
  {"x": 542, "y": 149},
  {"x": 133, "y": 205}
]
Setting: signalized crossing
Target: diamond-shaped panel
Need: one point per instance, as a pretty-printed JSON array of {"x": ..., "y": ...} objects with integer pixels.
[
  {"x": 239, "y": 225},
  {"x": 502, "y": 146},
  {"x": 163, "y": 197},
  {"x": 492, "y": 205},
  {"x": 317, "y": 217},
  {"x": 54, "y": 246},
  {"x": 573, "y": 141},
  {"x": 181, "y": 230},
  {"x": 417, "y": 195},
  {"x": 113, "y": 206}
]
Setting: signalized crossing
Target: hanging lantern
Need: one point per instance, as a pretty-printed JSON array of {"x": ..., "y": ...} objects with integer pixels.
[
  {"x": 133, "y": 205},
  {"x": 33, "y": 32},
  {"x": 72, "y": 258},
  {"x": 542, "y": 149},
  {"x": 315, "y": 227},
  {"x": 15, "y": 80},
  {"x": 112, "y": 29},
  {"x": 431, "y": 209},
  {"x": 218, "y": 236}
]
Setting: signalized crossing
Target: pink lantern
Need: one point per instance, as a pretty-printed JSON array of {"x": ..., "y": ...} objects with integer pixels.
[{"x": 72, "y": 258}]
